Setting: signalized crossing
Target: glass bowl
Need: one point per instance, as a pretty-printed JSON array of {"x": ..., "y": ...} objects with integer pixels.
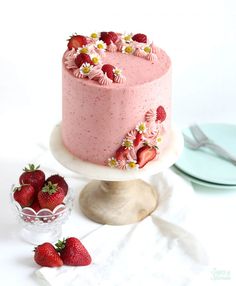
[{"x": 44, "y": 225}]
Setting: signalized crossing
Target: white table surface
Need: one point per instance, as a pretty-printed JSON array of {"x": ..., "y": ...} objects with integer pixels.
[{"x": 200, "y": 37}]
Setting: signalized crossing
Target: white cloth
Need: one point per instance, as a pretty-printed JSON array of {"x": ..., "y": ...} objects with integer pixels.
[{"x": 155, "y": 251}]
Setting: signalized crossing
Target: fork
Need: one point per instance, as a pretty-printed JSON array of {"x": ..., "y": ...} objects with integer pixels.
[{"x": 202, "y": 140}]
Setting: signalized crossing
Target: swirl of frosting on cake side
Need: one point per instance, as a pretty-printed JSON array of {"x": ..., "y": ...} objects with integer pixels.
[{"x": 85, "y": 55}]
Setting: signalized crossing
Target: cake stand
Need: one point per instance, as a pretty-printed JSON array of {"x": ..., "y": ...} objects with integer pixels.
[{"x": 117, "y": 197}]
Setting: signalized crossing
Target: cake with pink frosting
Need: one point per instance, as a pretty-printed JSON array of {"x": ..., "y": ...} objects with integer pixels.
[{"x": 116, "y": 99}]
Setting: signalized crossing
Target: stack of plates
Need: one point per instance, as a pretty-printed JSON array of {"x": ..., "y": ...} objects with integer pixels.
[{"x": 204, "y": 167}]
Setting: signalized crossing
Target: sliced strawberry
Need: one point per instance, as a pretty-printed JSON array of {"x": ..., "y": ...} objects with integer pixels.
[
  {"x": 76, "y": 41},
  {"x": 106, "y": 38},
  {"x": 141, "y": 38},
  {"x": 114, "y": 36},
  {"x": 121, "y": 153},
  {"x": 145, "y": 155},
  {"x": 161, "y": 114},
  {"x": 108, "y": 69},
  {"x": 138, "y": 139},
  {"x": 83, "y": 58}
]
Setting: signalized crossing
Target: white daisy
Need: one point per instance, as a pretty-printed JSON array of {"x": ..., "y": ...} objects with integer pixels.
[
  {"x": 117, "y": 71},
  {"x": 141, "y": 127},
  {"x": 128, "y": 49},
  {"x": 127, "y": 38},
  {"x": 127, "y": 143},
  {"x": 95, "y": 35},
  {"x": 132, "y": 165},
  {"x": 100, "y": 45},
  {"x": 96, "y": 59},
  {"x": 85, "y": 69},
  {"x": 112, "y": 162}
]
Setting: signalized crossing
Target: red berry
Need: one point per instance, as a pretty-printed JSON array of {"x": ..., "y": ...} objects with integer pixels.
[
  {"x": 106, "y": 38},
  {"x": 141, "y": 38},
  {"x": 82, "y": 58},
  {"x": 145, "y": 155},
  {"x": 161, "y": 114},
  {"x": 46, "y": 255},
  {"x": 121, "y": 153},
  {"x": 108, "y": 69},
  {"x": 138, "y": 139},
  {"x": 24, "y": 195},
  {"x": 114, "y": 36},
  {"x": 73, "y": 252},
  {"x": 60, "y": 181},
  {"x": 33, "y": 176},
  {"x": 35, "y": 205},
  {"x": 50, "y": 196},
  {"x": 76, "y": 41}
]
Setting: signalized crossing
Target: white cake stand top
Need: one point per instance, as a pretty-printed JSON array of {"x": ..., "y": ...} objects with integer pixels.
[{"x": 97, "y": 172}]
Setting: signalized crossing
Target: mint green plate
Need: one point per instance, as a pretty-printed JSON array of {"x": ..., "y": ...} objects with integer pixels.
[
  {"x": 201, "y": 182},
  {"x": 204, "y": 164}
]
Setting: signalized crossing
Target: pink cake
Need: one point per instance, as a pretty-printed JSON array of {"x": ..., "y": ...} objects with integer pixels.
[{"x": 116, "y": 92}]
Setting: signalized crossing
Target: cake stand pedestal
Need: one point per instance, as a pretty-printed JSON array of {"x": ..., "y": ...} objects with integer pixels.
[{"x": 115, "y": 196}]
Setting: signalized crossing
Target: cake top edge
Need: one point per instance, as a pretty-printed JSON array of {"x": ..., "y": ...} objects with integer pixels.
[{"x": 108, "y": 57}]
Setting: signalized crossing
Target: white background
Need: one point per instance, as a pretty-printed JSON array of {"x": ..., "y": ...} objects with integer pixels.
[{"x": 200, "y": 38}]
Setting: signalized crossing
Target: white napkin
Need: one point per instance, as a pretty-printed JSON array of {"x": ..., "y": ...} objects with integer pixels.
[{"x": 155, "y": 251}]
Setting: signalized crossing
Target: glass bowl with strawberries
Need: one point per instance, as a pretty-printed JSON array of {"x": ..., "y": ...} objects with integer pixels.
[{"x": 41, "y": 205}]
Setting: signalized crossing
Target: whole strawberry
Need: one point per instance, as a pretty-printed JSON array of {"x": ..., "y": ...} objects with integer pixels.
[
  {"x": 24, "y": 195},
  {"x": 33, "y": 176},
  {"x": 160, "y": 113},
  {"x": 60, "y": 181},
  {"x": 46, "y": 255},
  {"x": 73, "y": 252},
  {"x": 50, "y": 196}
]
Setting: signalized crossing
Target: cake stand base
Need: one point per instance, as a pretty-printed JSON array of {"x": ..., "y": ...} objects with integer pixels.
[
  {"x": 117, "y": 197},
  {"x": 118, "y": 203}
]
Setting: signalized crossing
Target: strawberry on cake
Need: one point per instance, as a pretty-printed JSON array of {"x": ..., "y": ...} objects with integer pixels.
[{"x": 116, "y": 99}]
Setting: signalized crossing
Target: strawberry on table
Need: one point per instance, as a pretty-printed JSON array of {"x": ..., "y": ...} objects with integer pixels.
[
  {"x": 24, "y": 195},
  {"x": 60, "y": 181},
  {"x": 46, "y": 255},
  {"x": 50, "y": 196},
  {"x": 73, "y": 252},
  {"x": 145, "y": 155},
  {"x": 160, "y": 113},
  {"x": 33, "y": 176},
  {"x": 76, "y": 41}
]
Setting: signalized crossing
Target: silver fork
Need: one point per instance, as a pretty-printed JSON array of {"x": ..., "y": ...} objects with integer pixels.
[{"x": 202, "y": 140}]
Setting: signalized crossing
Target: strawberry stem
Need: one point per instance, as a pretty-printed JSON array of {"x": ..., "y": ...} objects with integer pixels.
[
  {"x": 60, "y": 245},
  {"x": 31, "y": 168},
  {"x": 50, "y": 188}
]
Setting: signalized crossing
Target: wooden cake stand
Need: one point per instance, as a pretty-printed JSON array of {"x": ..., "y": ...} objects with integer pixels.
[{"x": 115, "y": 196}]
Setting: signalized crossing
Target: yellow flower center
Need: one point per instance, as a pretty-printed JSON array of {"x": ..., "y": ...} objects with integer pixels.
[
  {"x": 112, "y": 163},
  {"x": 94, "y": 35},
  {"x": 132, "y": 165},
  {"x": 86, "y": 69},
  {"x": 84, "y": 51},
  {"x": 95, "y": 60},
  {"x": 127, "y": 38},
  {"x": 100, "y": 46},
  {"x": 128, "y": 143},
  {"x": 128, "y": 49},
  {"x": 117, "y": 72},
  {"x": 159, "y": 139},
  {"x": 141, "y": 127},
  {"x": 147, "y": 49}
]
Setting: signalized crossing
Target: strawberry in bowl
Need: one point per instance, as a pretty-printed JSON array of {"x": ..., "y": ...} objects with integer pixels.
[{"x": 42, "y": 204}]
